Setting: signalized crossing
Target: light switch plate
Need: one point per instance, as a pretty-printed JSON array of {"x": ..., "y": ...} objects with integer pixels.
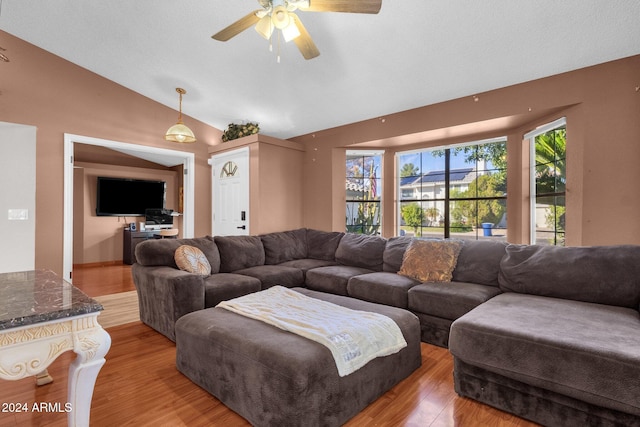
[{"x": 18, "y": 214}]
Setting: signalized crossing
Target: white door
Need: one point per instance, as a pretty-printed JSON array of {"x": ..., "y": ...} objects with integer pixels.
[{"x": 230, "y": 175}]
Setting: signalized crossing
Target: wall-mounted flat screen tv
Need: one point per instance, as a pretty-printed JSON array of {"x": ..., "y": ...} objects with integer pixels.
[{"x": 129, "y": 197}]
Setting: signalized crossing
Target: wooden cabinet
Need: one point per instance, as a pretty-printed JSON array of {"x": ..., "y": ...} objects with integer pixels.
[{"x": 131, "y": 239}]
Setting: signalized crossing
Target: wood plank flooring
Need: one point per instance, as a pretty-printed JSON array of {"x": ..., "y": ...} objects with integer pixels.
[{"x": 140, "y": 386}]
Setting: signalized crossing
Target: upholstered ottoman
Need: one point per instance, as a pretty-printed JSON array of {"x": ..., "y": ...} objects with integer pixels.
[{"x": 273, "y": 377}]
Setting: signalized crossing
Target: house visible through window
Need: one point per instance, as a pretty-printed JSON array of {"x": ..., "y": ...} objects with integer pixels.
[
  {"x": 548, "y": 145},
  {"x": 454, "y": 191},
  {"x": 363, "y": 188}
]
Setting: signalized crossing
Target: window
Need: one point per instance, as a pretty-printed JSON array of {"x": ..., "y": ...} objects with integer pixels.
[
  {"x": 363, "y": 188},
  {"x": 548, "y": 180},
  {"x": 454, "y": 191}
]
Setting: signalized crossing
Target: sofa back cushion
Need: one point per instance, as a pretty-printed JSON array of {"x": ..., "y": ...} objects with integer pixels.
[
  {"x": 284, "y": 246},
  {"x": 600, "y": 274},
  {"x": 479, "y": 262},
  {"x": 239, "y": 252},
  {"x": 361, "y": 250},
  {"x": 156, "y": 252},
  {"x": 394, "y": 252},
  {"x": 323, "y": 244}
]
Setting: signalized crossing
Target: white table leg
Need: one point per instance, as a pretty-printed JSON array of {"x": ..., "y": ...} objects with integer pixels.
[
  {"x": 90, "y": 346},
  {"x": 43, "y": 378}
]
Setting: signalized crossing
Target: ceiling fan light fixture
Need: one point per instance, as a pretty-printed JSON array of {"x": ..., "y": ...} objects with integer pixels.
[
  {"x": 280, "y": 17},
  {"x": 180, "y": 132},
  {"x": 264, "y": 27},
  {"x": 291, "y": 31}
]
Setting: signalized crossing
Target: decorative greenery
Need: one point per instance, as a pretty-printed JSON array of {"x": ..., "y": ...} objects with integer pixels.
[
  {"x": 413, "y": 216},
  {"x": 367, "y": 221},
  {"x": 235, "y": 131}
]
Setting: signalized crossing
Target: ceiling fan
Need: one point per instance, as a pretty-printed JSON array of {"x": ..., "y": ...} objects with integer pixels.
[{"x": 278, "y": 14}]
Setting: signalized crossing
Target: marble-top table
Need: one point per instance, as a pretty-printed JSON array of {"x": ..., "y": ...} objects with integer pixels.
[{"x": 43, "y": 316}]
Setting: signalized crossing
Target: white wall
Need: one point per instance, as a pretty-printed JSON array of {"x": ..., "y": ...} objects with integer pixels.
[{"x": 17, "y": 194}]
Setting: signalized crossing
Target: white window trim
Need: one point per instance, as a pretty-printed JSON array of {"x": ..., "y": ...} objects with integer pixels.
[
  {"x": 530, "y": 136},
  {"x": 380, "y": 153}
]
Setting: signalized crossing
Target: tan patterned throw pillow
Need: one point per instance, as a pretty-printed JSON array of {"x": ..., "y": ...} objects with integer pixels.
[
  {"x": 192, "y": 259},
  {"x": 430, "y": 260}
]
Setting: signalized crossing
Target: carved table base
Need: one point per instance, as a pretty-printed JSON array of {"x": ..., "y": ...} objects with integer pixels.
[{"x": 29, "y": 350}]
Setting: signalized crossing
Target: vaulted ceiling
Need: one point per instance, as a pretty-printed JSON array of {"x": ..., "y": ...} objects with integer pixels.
[{"x": 413, "y": 53}]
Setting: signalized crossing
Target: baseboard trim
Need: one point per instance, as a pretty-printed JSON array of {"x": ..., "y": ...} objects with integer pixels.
[{"x": 99, "y": 264}]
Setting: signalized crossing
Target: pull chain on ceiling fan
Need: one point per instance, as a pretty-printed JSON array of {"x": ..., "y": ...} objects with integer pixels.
[{"x": 278, "y": 15}]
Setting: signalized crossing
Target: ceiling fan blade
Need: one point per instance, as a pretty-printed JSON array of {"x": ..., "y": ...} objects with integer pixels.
[
  {"x": 349, "y": 6},
  {"x": 306, "y": 46},
  {"x": 237, "y": 27}
]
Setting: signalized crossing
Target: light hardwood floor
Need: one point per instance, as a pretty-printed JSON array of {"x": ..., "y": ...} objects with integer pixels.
[{"x": 140, "y": 386}]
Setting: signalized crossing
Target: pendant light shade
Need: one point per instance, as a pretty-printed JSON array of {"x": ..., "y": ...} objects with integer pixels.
[{"x": 179, "y": 132}]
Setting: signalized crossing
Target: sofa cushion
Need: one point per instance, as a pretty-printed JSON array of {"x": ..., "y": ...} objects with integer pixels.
[
  {"x": 284, "y": 246},
  {"x": 192, "y": 260},
  {"x": 601, "y": 274},
  {"x": 361, "y": 250},
  {"x": 156, "y": 252},
  {"x": 430, "y": 260},
  {"x": 323, "y": 244},
  {"x": 449, "y": 300},
  {"x": 394, "y": 253},
  {"x": 225, "y": 286},
  {"x": 381, "y": 287},
  {"x": 587, "y": 351},
  {"x": 307, "y": 263},
  {"x": 333, "y": 279},
  {"x": 479, "y": 262},
  {"x": 271, "y": 275},
  {"x": 238, "y": 252}
]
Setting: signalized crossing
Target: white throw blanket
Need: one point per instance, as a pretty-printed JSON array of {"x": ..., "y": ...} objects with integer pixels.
[{"x": 354, "y": 337}]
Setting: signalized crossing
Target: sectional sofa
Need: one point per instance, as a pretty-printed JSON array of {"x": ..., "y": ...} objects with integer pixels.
[
  {"x": 359, "y": 266},
  {"x": 550, "y": 334}
]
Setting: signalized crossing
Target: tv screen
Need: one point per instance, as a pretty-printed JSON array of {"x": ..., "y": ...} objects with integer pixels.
[{"x": 128, "y": 197}]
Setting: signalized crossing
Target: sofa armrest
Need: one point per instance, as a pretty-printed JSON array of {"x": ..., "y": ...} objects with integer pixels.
[{"x": 165, "y": 294}]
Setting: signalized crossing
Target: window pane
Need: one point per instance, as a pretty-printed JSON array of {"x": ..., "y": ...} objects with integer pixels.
[
  {"x": 479, "y": 219},
  {"x": 476, "y": 191},
  {"x": 363, "y": 217},
  {"x": 548, "y": 220},
  {"x": 363, "y": 192}
]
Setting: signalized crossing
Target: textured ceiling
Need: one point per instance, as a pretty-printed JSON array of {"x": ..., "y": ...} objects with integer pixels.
[{"x": 413, "y": 53}]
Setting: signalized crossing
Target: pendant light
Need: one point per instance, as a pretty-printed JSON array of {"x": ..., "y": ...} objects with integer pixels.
[{"x": 179, "y": 132}]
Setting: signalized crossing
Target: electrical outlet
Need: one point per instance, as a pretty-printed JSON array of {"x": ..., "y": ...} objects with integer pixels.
[{"x": 18, "y": 214}]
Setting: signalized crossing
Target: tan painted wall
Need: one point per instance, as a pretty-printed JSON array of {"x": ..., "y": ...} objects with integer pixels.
[
  {"x": 280, "y": 189},
  {"x": 602, "y": 106},
  {"x": 275, "y": 182},
  {"x": 43, "y": 90},
  {"x": 100, "y": 239}
]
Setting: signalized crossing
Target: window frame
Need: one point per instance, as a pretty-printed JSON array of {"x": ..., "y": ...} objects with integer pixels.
[
  {"x": 533, "y": 194},
  {"x": 379, "y": 178},
  {"x": 447, "y": 200}
]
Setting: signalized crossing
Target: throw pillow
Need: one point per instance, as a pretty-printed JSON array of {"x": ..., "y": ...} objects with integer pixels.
[
  {"x": 192, "y": 259},
  {"x": 430, "y": 260}
]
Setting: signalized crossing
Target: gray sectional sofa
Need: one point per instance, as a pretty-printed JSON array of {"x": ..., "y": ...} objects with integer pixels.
[
  {"x": 561, "y": 344},
  {"x": 550, "y": 334},
  {"x": 359, "y": 266}
]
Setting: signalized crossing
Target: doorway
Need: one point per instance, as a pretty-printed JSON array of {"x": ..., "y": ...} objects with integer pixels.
[
  {"x": 230, "y": 201},
  {"x": 159, "y": 155}
]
